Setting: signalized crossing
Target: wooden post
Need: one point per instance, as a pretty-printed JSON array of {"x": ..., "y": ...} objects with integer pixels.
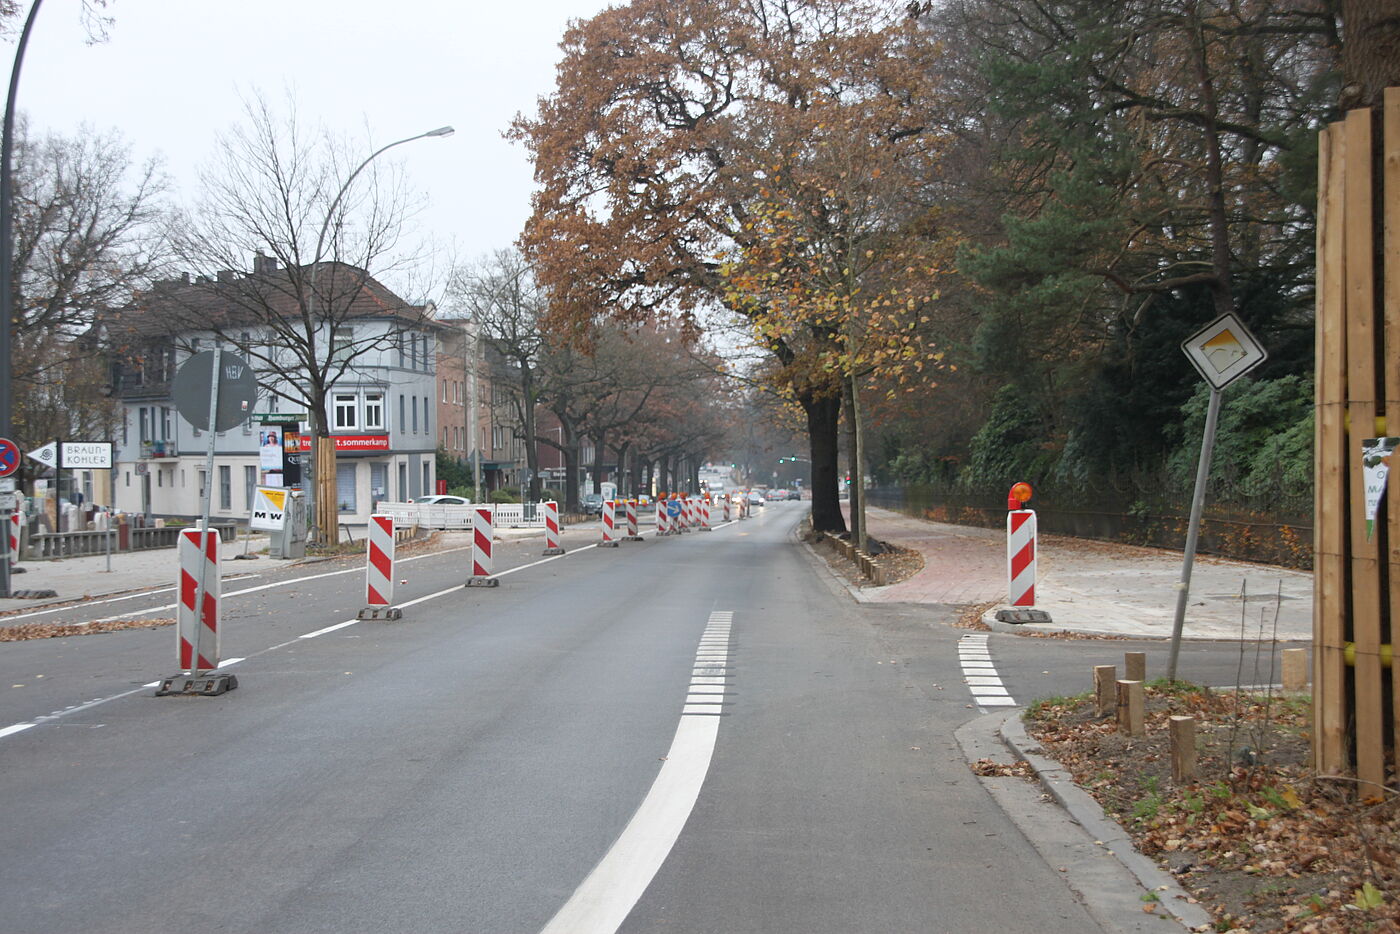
[
  {"x": 1362, "y": 338},
  {"x": 1390, "y": 310},
  {"x": 1295, "y": 670},
  {"x": 1183, "y": 736},
  {"x": 1104, "y": 676},
  {"x": 1131, "y": 708},
  {"x": 1330, "y": 708},
  {"x": 1135, "y": 666}
]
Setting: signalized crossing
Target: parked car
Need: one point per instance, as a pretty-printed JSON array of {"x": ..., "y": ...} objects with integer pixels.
[
  {"x": 442, "y": 499},
  {"x": 592, "y": 504}
]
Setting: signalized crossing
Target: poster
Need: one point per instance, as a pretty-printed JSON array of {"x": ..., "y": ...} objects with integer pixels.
[
  {"x": 1375, "y": 466},
  {"x": 270, "y": 454}
]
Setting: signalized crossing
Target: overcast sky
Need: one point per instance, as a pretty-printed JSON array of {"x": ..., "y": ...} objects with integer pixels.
[{"x": 173, "y": 73}]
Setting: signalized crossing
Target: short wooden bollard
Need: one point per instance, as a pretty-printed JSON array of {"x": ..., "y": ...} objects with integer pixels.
[
  {"x": 1130, "y": 708},
  {"x": 1295, "y": 669},
  {"x": 1183, "y": 736},
  {"x": 1135, "y": 666},
  {"x": 1104, "y": 676}
]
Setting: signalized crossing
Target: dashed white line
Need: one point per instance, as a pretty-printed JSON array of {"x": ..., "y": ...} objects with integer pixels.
[{"x": 980, "y": 674}]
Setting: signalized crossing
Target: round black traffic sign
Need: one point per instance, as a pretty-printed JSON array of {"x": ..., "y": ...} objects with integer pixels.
[
  {"x": 9, "y": 457},
  {"x": 238, "y": 390}
]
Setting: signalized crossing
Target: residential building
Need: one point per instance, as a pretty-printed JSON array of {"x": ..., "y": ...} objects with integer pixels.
[{"x": 380, "y": 410}]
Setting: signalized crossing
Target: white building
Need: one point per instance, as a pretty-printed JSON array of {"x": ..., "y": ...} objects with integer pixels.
[{"x": 381, "y": 410}]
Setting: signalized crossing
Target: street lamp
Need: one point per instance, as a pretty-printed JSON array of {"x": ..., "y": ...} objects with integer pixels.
[{"x": 311, "y": 286}]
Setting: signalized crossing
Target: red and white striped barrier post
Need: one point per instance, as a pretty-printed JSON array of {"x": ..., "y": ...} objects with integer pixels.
[
  {"x": 379, "y": 570},
  {"x": 704, "y": 507},
  {"x": 632, "y": 534},
  {"x": 687, "y": 514},
  {"x": 609, "y": 524},
  {"x": 726, "y": 507},
  {"x": 1020, "y": 547},
  {"x": 482, "y": 543},
  {"x": 551, "y": 528},
  {"x": 14, "y": 533},
  {"x": 197, "y": 618}
]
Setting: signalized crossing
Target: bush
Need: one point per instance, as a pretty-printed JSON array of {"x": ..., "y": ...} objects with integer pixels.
[{"x": 503, "y": 496}]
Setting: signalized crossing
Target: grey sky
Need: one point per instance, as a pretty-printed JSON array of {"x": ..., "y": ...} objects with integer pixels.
[{"x": 173, "y": 74}]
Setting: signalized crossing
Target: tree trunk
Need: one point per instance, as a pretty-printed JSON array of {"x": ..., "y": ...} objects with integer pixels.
[
  {"x": 823, "y": 421},
  {"x": 1370, "y": 51}
]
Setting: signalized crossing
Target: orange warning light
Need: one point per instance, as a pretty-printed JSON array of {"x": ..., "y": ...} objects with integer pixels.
[{"x": 1020, "y": 492}]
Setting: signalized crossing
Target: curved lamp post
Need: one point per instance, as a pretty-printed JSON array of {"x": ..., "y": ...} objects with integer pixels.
[{"x": 311, "y": 290}]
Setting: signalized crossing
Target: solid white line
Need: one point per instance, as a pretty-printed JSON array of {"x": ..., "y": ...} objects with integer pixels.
[
  {"x": 607, "y": 896},
  {"x": 15, "y": 728},
  {"x": 996, "y": 702},
  {"x": 322, "y": 632}
]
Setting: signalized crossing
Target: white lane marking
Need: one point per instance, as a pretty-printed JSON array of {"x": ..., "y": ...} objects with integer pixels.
[
  {"x": 605, "y": 899},
  {"x": 19, "y": 727},
  {"x": 980, "y": 674}
]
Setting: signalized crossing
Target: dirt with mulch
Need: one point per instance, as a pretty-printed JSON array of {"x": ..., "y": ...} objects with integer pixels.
[{"x": 1257, "y": 838}]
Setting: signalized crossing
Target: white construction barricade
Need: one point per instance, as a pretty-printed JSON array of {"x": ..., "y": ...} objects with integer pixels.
[{"x": 197, "y": 616}]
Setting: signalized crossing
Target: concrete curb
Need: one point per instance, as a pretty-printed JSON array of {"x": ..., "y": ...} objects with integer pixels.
[{"x": 1106, "y": 833}]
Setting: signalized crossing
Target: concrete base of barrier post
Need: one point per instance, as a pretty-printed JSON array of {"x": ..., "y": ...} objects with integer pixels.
[
  {"x": 552, "y": 551},
  {"x": 380, "y": 612},
  {"x": 481, "y": 582},
  {"x": 211, "y": 684}
]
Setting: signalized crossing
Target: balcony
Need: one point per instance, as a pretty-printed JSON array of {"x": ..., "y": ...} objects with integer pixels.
[{"x": 155, "y": 449}]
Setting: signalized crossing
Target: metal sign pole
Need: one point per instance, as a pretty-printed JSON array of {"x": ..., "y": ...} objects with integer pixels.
[
  {"x": 204, "y": 510},
  {"x": 1193, "y": 529}
]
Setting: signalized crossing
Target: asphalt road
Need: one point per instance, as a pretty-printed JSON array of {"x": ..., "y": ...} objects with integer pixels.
[{"x": 697, "y": 734}]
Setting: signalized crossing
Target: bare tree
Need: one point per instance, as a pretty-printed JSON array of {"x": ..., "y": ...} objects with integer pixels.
[
  {"x": 500, "y": 297},
  {"x": 89, "y": 229},
  {"x": 284, "y": 194}
]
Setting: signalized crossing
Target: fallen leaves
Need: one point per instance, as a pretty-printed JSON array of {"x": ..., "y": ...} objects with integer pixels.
[
  {"x": 26, "y": 631},
  {"x": 1018, "y": 769},
  {"x": 1258, "y": 839}
]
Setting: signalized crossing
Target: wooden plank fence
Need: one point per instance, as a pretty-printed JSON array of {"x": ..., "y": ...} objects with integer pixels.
[{"x": 1356, "y": 709}]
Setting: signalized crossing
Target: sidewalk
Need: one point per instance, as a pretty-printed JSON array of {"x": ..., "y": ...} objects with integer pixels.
[{"x": 1099, "y": 587}]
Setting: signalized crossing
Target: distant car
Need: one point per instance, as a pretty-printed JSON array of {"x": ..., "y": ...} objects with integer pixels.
[
  {"x": 794, "y": 494},
  {"x": 592, "y": 504},
  {"x": 777, "y": 496},
  {"x": 442, "y": 499},
  {"x": 755, "y": 498}
]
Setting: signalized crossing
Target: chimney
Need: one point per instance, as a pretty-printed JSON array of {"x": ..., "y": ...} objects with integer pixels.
[
  {"x": 264, "y": 265},
  {"x": 226, "y": 275}
]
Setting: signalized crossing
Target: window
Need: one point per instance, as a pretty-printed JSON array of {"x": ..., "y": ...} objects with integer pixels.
[
  {"x": 160, "y": 476},
  {"x": 444, "y": 438},
  {"x": 427, "y": 476},
  {"x": 374, "y": 411},
  {"x": 165, "y": 432},
  {"x": 345, "y": 408},
  {"x": 203, "y": 480},
  {"x": 403, "y": 422},
  {"x": 427, "y": 423},
  {"x": 225, "y": 486},
  {"x": 378, "y": 482},
  {"x": 345, "y": 486},
  {"x": 342, "y": 344},
  {"x": 414, "y": 406},
  {"x": 404, "y": 494},
  {"x": 126, "y": 424},
  {"x": 145, "y": 424},
  {"x": 250, "y": 485},
  {"x": 399, "y": 346},
  {"x": 444, "y": 390},
  {"x": 128, "y": 478}
]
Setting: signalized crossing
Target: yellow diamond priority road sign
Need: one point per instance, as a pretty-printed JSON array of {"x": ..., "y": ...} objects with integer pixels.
[{"x": 1223, "y": 351}]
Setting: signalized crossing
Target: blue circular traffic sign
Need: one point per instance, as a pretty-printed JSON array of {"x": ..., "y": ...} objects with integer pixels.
[{"x": 9, "y": 457}]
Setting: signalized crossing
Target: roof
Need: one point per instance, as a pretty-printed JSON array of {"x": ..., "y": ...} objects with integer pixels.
[{"x": 267, "y": 295}]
